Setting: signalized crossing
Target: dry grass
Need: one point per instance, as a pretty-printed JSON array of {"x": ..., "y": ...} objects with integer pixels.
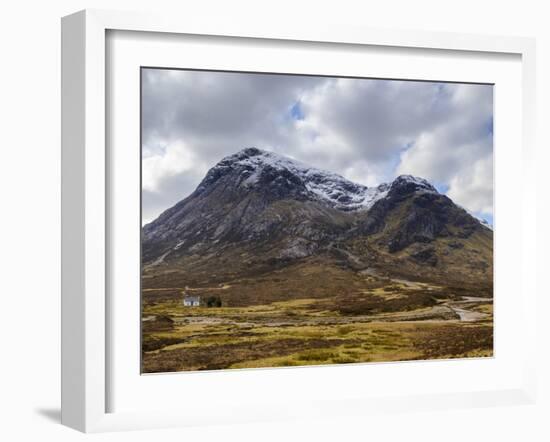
[{"x": 307, "y": 314}]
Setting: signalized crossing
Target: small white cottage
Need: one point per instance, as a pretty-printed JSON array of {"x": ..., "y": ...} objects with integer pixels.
[{"x": 191, "y": 301}]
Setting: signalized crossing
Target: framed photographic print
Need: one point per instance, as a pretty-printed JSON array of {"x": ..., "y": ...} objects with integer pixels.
[
  {"x": 324, "y": 246},
  {"x": 250, "y": 213}
]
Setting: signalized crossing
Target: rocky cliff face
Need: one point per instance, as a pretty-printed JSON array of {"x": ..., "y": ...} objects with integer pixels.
[{"x": 256, "y": 210}]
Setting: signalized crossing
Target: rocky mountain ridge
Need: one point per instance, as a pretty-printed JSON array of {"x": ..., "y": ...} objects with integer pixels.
[{"x": 256, "y": 210}]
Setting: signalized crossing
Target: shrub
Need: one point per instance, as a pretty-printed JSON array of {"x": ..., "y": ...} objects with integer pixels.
[{"x": 214, "y": 301}]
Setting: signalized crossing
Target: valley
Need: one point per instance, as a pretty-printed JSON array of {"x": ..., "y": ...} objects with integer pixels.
[{"x": 377, "y": 319}]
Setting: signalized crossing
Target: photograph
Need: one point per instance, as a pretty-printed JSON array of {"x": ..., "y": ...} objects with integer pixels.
[{"x": 293, "y": 220}]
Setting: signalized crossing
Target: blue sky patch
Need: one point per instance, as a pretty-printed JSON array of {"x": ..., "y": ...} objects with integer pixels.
[
  {"x": 441, "y": 187},
  {"x": 296, "y": 111},
  {"x": 485, "y": 216}
]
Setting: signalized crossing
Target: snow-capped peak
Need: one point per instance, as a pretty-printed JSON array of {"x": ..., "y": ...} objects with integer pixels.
[
  {"x": 252, "y": 163},
  {"x": 326, "y": 186},
  {"x": 412, "y": 181}
]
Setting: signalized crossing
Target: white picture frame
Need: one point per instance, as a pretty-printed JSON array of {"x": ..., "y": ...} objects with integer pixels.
[{"x": 85, "y": 202}]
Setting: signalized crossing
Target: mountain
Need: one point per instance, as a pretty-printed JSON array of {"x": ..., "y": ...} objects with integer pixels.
[{"x": 257, "y": 212}]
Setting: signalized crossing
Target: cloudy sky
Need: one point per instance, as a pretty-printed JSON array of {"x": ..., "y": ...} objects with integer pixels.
[{"x": 369, "y": 131}]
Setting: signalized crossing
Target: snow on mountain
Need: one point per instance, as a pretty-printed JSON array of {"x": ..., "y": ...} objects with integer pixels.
[
  {"x": 326, "y": 186},
  {"x": 260, "y": 204},
  {"x": 415, "y": 182}
]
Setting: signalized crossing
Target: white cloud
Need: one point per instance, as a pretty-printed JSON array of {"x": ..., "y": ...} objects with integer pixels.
[
  {"x": 366, "y": 130},
  {"x": 458, "y": 151},
  {"x": 176, "y": 158},
  {"x": 473, "y": 187}
]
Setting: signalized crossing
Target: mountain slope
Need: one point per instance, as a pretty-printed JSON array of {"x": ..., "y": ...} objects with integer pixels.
[{"x": 256, "y": 211}]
